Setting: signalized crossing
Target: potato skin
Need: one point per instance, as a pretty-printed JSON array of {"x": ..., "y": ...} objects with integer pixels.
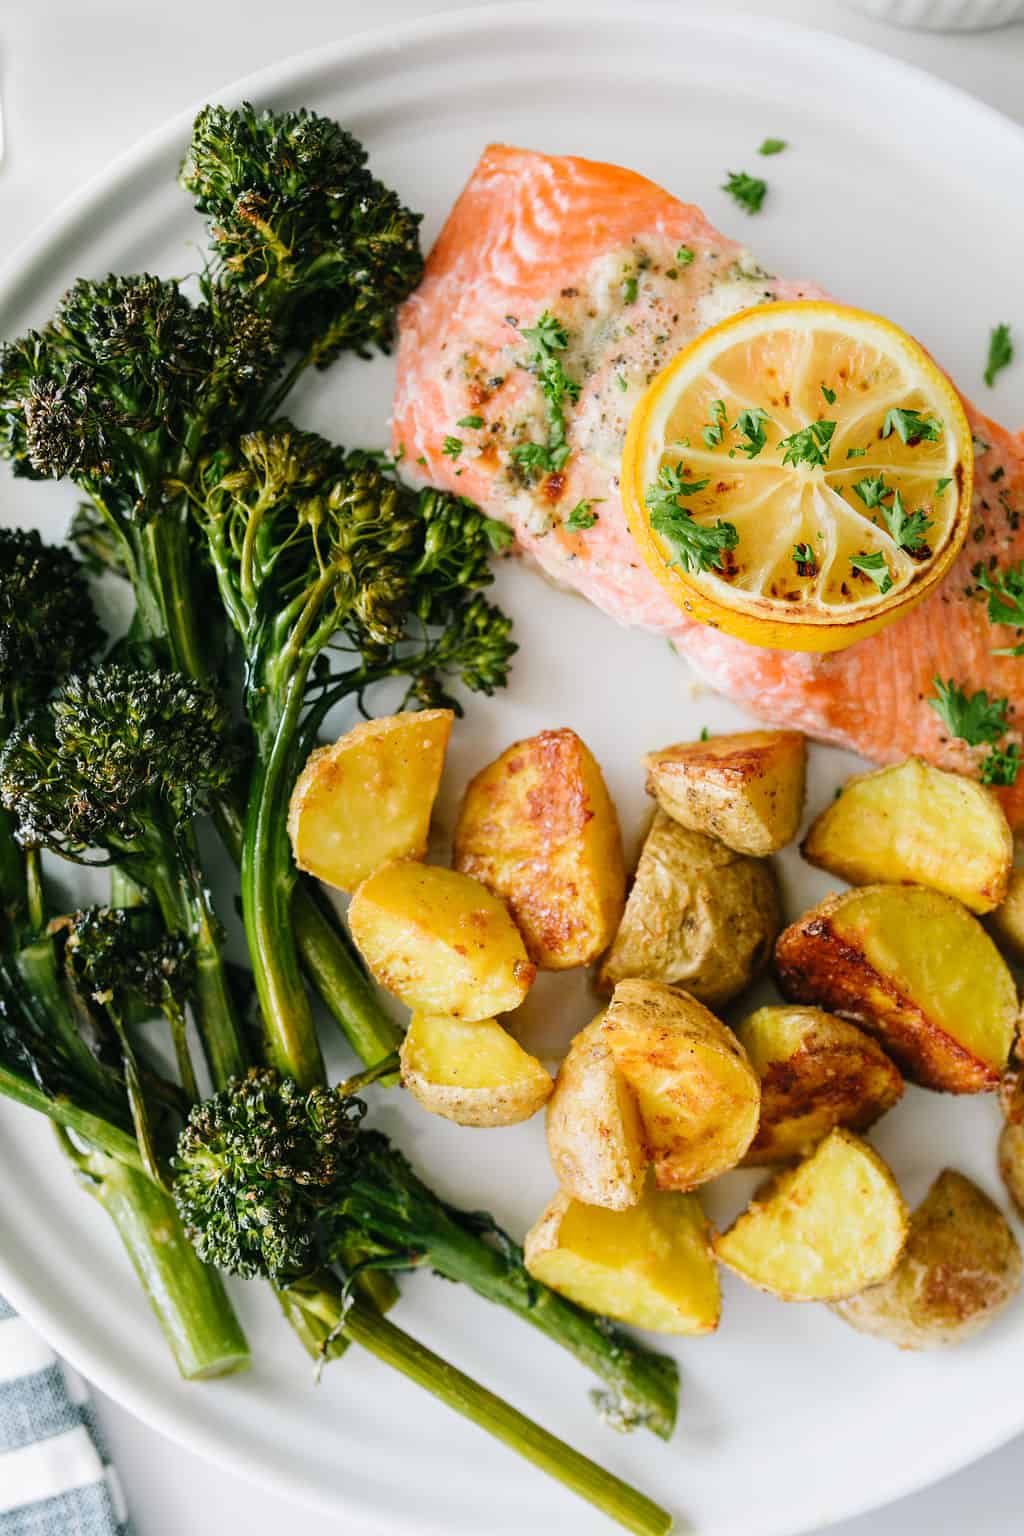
[
  {"x": 595, "y": 1137},
  {"x": 745, "y": 789},
  {"x": 960, "y": 1267},
  {"x": 698, "y": 1096},
  {"x": 913, "y": 823},
  {"x": 366, "y": 798},
  {"x": 440, "y": 941},
  {"x": 820, "y": 960},
  {"x": 817, "y": 1072},
  {"x": 698, "y": 916},
  {"x": 474, "y": 1074},
  {"x": 1011, "y": 1137},
  {"x": 1006, "y": 923},
  {"x": 538, "y": 827}
]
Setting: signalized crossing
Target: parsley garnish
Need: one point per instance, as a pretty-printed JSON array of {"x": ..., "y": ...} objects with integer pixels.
[
  {"x": 975, "y": 719},
  {"x": 629, "y": 290},
  {"x": 874, "y": 567},
  {"x": 773, "y": 147},
  {"x": 940, "y": 485},
  {"x": 855, "y": 453},
  {"x": 705, "y": 734},
  {"x": 1005, "y": 591},
  {"x": 908, "y": 530},
  {"x": 911, "y": 427},
  {"x": 714, "y": 432},
  {"x": 474, "y": 423},
  {"x": 830, "y": 394},
  {"x": 581, "y": 517},
  {"x": 871, "y": 492},
  {"x": 452, "y": 447},
  {"x": 685, "y": 255},
  {"x": 1000, "y": 353},
  {"x": 803, "y": 559},
  {"x": 809, "y": 446},
  {"x": 546, "y": 339},
  {"x": 699, "y": 547},
  {"x": 1001, "y": 765},
  {"x": 748, "y": 191},
  {"x": 751, "y": 424}
]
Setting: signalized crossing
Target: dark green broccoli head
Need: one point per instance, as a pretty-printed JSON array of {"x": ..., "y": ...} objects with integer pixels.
[
  {"x": 474, "y": 644},
  {"x": 114, "y": 953},
  {"x": 254, "y": 1168},
  {"x": 48, "y": 625},
  {"x": 116, "y": 754},
  {"x": 299, "y": 221}
]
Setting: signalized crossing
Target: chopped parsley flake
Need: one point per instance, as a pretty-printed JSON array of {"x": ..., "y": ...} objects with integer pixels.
[
  {"x": 773, "y": 147},
  {"x": 1001, "y": 765},
  {"x": 474, "y": 423},
  {"x": 714, "y": 433},
  {"x": 751, "y": 424},
  {"x": 830, "y": 394},
  {"x": 872, "y": 492},
  {"x": 974, "y": 719},
  {"x": 581, "y": 517},
  {"x": 803, "y": 559},
  {"x": 452, "y": 447},
  {"x": 1005, "y": 592},
  {"x": 685, "y": 256},
  {"x": 629, "y": 290},
  {"x": 874, "y": 567},
  {"x": 855, "y": 453},
  {"x": 911, "y": 427},
  {"x": 1000, "y": 353},
  {"x": 809, "y": 446},
  {"x": 705, "y": 734},
  {"x": 748, "y": 191},
  {"x": 908, "y": 530},
  {"x": 940, "y": 485},
  {"x": 699, "y": 547},
  {"x": 546, "y": 339}
]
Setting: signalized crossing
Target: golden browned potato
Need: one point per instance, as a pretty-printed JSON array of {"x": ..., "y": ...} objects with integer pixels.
[
  {"x": 474, "y": 1074},
  {"x": 440, "y": 941},
  {"x": 367, "y": 799},
  {"x": 960, "y": 1267},
  {"x": 595, "y": 1137},
  {"x": 650, "y": 1266},
  {"x": 538, "y": 827},
  {"x": 746, "y": 789},
  {"x": 817, "y": 1072},
  {"x": 1011, "y": 1138},
  {"x": 918, "y": 825},
  {"x": 698, "y": 916},
  {"x": 915, "y": 969},
  {"x": 1006, "y": 923},
  {"x": 822, "y": 1230},
  {"x": 697, "y": 1093}
]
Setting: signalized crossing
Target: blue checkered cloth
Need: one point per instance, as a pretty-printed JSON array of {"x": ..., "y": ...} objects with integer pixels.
[{"x": 55, "y": 1474}]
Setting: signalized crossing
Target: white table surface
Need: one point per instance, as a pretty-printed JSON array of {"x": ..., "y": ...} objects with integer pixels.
[{"x": 81, "y": 80}]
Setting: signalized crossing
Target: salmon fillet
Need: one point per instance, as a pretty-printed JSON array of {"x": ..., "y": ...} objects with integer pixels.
[{"x": 633, "y": 274}]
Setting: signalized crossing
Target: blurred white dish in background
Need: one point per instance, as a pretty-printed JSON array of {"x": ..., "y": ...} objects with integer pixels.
[{"x": 944, "y": 15}]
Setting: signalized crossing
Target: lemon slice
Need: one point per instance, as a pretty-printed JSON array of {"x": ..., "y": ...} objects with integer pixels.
[{"x": 799, "y": 475}]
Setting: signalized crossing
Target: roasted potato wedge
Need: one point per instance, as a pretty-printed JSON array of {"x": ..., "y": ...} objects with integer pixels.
[
  {"x": 698, "y": 916},
  {"x": 697, "y": 1094},
  {"x": 746, "y": 789},
  {"x": 917, "y": 825},
  {"x": 1006, "y": 923},
  {"x": 914, "y": 968},
  {"x": 440, "y": 941},
  {"x": 367, "y": 798},
  {"x": 538, "y": 827},
  {"x": 650, "y": 1266},
  {"x": 1011, "y": 1138},
  {"x": 816, "y": 1072},
  {"x": 960, "y": 1267},
  {"x": 823, "y": 1230},
  {"x": 595, "y": 1136},
  {"x": 474, "y": 1074}
]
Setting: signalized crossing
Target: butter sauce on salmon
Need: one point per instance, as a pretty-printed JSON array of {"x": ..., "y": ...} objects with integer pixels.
[{"x": 556, "y": 291}]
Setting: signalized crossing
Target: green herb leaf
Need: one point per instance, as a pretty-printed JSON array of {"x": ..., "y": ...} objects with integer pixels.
[
  {"x": 748, "y": 191},
  {"x": 699, "y": 547},
  {"x": 911, "y": 427},
  {"x": 940, "y": 485},
  {"x": 856, "y": 453},
  {"x": 773, "y": 147},
  {"x": 1001, "y": 765},
  {"x": 581, "y": 517},
  {"x": 830, "y": 394},
  {"x": 809, "y": 446},
  {"x": 1005, "y": 591},
  {"x": 907, "y": 529},
  {"x": 452, "y": 447},
  {"x": 872, "y": 492},
  {"x": 474, "y": 423},
  {"x": 705, "y": 734},
  {"x": 874, "y": 567},
  {"x": 804, "y": 560},
  {"x": 685, "y": 255},
  {"x": 629, "y": 290},
  {"x": 751, "y": 423},
  {"x": 714, "y": 433},
  {"x": 1000, "y": 353},
  {"x": 973, "y": 719},
  {"x": 546, "y": 339}
]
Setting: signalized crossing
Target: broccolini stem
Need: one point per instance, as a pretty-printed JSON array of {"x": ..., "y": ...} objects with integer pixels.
[
  {"x": 364, "y": 1326},
  {"x": 93, "y": 1128},
  {"x": 268, "y": 880},
  {"x": 187, "y": 1297},
  {"x": 341, "y": 981},
  {"x": 34, "y": 895},
  {"x": 166, "y": 553}
]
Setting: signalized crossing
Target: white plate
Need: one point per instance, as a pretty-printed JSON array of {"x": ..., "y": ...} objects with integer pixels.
[{"x": 895, "y": 194}]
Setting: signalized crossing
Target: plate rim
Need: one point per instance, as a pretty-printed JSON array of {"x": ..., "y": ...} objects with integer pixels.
[{"x": 286, "y": 74}]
